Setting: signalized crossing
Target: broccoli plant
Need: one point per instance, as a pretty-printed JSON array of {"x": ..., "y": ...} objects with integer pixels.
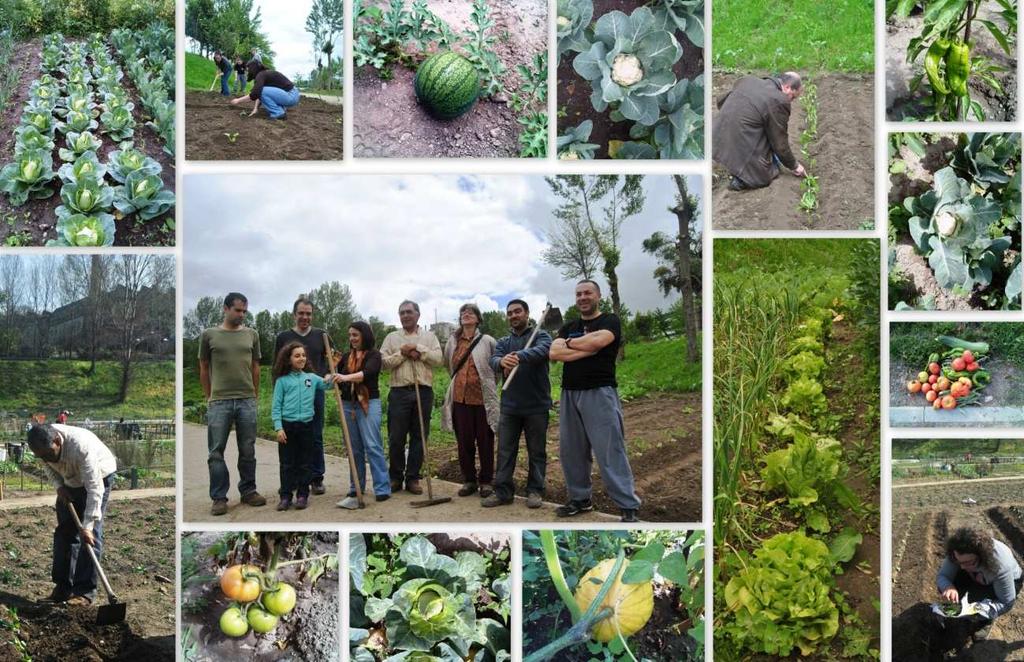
[
  {"x": 143, "y": 195},
  {"x": 28, "y": 177},
  {"x": 84, "y": 230}
]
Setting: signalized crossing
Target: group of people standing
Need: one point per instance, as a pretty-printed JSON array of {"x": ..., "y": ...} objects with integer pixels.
[
  {"x": 590, "y": 418},
  {"x": 270, "y": 88}
]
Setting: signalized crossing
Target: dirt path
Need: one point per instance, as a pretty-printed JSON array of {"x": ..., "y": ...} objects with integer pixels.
[
  {"x": 844, "y": 154},
  {"x": 312, "y": 132},
  {"x": 322, "y": 509},
  {"x": 47, "y": 500},
  {"x": 963, "y": 481},
  {"x": 139, "y": 560}
]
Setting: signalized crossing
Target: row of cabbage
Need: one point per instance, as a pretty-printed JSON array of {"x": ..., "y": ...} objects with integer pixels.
[
  {"x": 149, "y": 57},
  {"x": 78, "y": 104}
]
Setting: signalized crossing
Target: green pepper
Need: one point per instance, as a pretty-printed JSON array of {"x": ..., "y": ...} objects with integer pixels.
[
  {"x": 933, "y": 357},
  {"x": 958, "y": 67},
  {"x": 936, "y": 53},
  {"x": 981, "y": 378}
]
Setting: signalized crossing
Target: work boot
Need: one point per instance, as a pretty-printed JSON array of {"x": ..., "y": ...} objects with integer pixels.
[
  {"x": 575, "y": 507},
  {"x": 317, "y": 488},
  {"x": 58, "y": 595},
  {"x": 467, "y": 489},
  {"x": 301, "y": 502},
  {"x": 534, "y": 500},
  {"x": 486, "y": 490},
  {"x": 254, "y": 499},
  {"x": 382, "y": 497},
  {"x": 396, "y": 485},
  {"x": 629, "y": 515},
  {"x": 737, "y": 184},
  {"x": 285, "y": 503},
  {"x": 412, "y": 486},
  {"x": 494, "y": 500},
  {"x": 219, "y": 507},
  {"x": 79, "y": 601}
]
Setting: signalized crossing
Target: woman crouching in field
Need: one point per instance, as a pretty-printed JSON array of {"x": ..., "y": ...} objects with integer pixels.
[
  {"x": 272, "y": 89},
  {"x": 983, "y": 568},
  {"x": 292, "y": 413}
]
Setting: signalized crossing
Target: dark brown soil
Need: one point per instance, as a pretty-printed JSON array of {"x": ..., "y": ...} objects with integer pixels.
[
  {"x": 844, "y": 164},
  {"x": 36, "y": 220},
  {"x": 663, "y": 438},
  {"x": 312, "y": 132},
  {"x": 388, "y": 121},
  {"x": 139, "y": 561},
  {"x": 574, "y": 92}
]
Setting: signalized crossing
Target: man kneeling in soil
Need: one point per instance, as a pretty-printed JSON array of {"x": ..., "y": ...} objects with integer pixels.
[
  {"x": 82, "y": 468},
  {"x": 751, "y": 132}
]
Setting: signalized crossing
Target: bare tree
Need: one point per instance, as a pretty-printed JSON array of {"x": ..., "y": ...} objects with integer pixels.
[
  {"x": 684, "y": 211},
  {"x": 10, "y": 299},
  {"x": 85, "y": 279},
  {"x": 571, "y": 249},
  {"x": 134, "y": 272}
]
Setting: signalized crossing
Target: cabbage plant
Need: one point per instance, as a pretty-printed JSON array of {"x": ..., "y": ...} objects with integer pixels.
[
  {"x": 85, "y": 196},
  {"x": 630, "y": 64},
  {"x": 28, "y": 177},
  {"x": 118, "y": 123},
  {"x": 42, "y": 120},
  {"x": 84, "y": 230},
  {"x": 77, "y": 121},
  {"x": 78, "y": 144},
  {"x": 27, "y": 137},
  {"x": 124, "y": 162},
  {"x": 86, "y": 166},
  {"x": 81, "y": 103},
  {"x": 143, "y": 195}
]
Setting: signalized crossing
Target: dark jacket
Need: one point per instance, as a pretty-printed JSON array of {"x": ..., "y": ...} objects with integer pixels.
[
  {"x": 268, "y": 78},
  {"x": 530, "y": 392},
  {"x": 752, "y": 123}
]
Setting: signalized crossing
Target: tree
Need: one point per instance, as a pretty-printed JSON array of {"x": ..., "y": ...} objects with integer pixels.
[
  {"x": 268, "y": 334},
  {"x": 333, "y": 309},
  {"x": 570, "y": 249},
  {"x": 209, "y": 312},
  {"x": 326, "y": 21},
  {"x": 10, "y": 298},
  {"x": 684, "y": 211},
  {"x": 134, "y": 273}
]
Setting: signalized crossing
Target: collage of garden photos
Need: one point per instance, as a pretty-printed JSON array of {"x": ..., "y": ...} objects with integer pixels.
[{"x": 511, "y": 330}]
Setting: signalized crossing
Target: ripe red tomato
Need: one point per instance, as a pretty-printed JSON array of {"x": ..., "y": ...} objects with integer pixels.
[
  {"x": 959, "y": 364},
  {"x": 972, "y": 367},
  {"x": 968, "y": 356},
  {"x": 934, "y": 368}
]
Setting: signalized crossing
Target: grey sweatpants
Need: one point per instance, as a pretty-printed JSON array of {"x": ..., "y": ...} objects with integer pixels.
[{"x": 590, "y": 421}]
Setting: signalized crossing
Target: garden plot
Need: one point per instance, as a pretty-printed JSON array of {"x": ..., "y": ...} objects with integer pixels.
[
  {"x": 122, "y": 93},
  {"x": 507, "y": 45},
  {"x": 841, "y": 157},
  {"x": 903, "y": 104},
  {"x": 217, "y": 131},
  {"x": 923, "y": 518},
  {"x": 139, "y": 561}
]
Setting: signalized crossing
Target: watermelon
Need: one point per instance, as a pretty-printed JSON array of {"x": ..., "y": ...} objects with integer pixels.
[{"x": 447, "y": 85}]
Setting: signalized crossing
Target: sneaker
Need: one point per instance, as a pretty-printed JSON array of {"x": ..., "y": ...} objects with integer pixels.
[
  {"x": 350, "y": 502},
  {"x": 574, "y": 508},
  {"x": 219, "y": 507},
  {"x": 534, "y": 500},
  {"x": 486, "y": 490},
  {"x": 494, "y": 500},
  {"x": 412, "y": 486},
  {"x": 467, "y": 489},
  {"x": 317, "y": 488},
  {"x": 79, "y": 601},
  {"x": 285, "y": 503},
  {"x": 301, "y": 502},
  {"x": 58, "y": 595},
  {"x": 382, "y": 497},
  {"x": 629, "y": 515},
  {"x": 254, "y": 499}
]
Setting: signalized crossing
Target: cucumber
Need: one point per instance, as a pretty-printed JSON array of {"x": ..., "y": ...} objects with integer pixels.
[{"x": 956, "y": 343}]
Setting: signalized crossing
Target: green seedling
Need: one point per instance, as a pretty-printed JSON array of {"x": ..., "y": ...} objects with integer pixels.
[{"x": 232, "y": 137}]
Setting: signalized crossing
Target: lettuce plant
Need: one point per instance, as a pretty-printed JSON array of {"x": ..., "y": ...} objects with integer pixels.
[
  {"x": 84, "y": 230},
  {"x": 85, "y": 196},
  {"x": 28, "y": 177},
  {"x": 86, "y": 166},
  {"x": 78, "y": 144},
  {"x": 143, "y": 195},
  {"x": 629, "y": 64},
  {"x": 118, "y": 123},
  {"x": 124, "y": 162}
]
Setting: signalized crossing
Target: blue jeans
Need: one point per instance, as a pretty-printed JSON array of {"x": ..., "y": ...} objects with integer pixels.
[
  {"x": 220, "y": 416},
  {"x": 70, "y": 571},
  {"x": 276, "y": 100},
  {"x": 364, "y": 429},
  {"x": 224, "y": 89},
  {"x": 240, "y": 82},
  {"x": 316, "y": 458}
]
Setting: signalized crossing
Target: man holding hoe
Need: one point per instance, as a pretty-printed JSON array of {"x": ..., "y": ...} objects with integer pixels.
[
  {"x": 82, "y": 469},
  {"x": 751, "y": 131}
]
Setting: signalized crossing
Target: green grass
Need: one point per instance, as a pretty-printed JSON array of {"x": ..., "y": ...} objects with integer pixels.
[
  {"x": 50, "y": 385},
  {"x": 649, "y": 367},
  {"x": 800, "y": 35},
  {"x": 200, "y": 72}
]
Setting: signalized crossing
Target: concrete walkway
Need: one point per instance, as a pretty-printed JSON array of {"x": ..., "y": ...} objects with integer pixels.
[
  {"x": 49, "y": 498},
  {"x": 929, "y": 417},
  {"x": 326, "y": 98},
  {"x": 323, "y": 509}
]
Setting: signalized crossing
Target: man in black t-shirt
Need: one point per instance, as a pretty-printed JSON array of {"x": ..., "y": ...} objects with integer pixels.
[
  {"x": 590, "y": 413},
  {"x": 312, "y": 339}
]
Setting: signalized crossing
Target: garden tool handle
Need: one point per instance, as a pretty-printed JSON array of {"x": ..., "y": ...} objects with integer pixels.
[{"x": 92, "y": 554}]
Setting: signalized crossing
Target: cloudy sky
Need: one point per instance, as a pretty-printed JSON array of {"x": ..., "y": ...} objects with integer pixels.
[
  {"x": 284, "y": 23},
  {"x": 439, "y": 240}
]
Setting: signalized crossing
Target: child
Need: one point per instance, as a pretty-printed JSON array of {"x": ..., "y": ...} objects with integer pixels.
[
  {"x": 292, "y": 413},
  {"x": 239, "y": 75}
]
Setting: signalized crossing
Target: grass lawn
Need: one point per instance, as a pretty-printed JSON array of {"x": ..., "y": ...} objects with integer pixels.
[
  {"x": 51, "y": 385},
  {"x": 801, "y": 35},
  {"x": 649, "y": 367},
  {"x": 200, "y": 71}
]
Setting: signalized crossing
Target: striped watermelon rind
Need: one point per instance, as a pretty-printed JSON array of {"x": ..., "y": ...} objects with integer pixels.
[{"x": 447, "y": 85}]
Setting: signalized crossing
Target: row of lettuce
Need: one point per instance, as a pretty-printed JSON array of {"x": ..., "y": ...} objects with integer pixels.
[
  {"x": 76, "y": 110},
  {"x": 782, "y": 481}
]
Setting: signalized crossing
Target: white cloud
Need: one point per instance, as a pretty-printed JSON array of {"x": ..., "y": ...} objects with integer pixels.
[{"x": 284, "y": 23}]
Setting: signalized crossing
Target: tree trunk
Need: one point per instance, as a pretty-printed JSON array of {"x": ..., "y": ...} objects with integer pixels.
[{"x": 684, "y": 213}]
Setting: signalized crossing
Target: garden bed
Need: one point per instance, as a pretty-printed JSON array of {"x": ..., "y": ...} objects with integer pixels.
[{"x": 844, "y": 155}]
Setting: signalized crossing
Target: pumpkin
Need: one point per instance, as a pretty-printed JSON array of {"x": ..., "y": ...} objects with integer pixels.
[{"x": 631, "y": 604}]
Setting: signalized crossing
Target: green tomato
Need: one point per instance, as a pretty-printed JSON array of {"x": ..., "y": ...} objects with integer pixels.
[
  {"x": 232, "y": 623},
  {"x": 261, "y": 621},
  {"x": 280, "y": 599}
]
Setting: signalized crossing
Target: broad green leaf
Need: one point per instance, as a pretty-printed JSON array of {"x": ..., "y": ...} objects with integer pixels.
[{"x": 844, "y": 546}]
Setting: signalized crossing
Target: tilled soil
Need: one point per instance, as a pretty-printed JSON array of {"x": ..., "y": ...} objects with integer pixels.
[
  {"x": 313, "y": 131},
  {"x": 138, "y": 560},
  {"x": 36, "y": 220},
  {"x": 663, "y": 438},
  {"x": 388, "y": 121},
  {"x": 918, "y": 542},
  {"x": 844, "y": 164}
]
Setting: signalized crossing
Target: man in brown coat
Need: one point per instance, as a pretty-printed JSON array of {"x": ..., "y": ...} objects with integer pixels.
[{"x": 751, "y": 132}]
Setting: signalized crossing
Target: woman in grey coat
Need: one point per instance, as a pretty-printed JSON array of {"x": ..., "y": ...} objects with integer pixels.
[{"x": 983, "y": 569}]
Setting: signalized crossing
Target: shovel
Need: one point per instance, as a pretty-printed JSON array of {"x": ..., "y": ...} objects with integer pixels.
[
  {"x": 344, "y": 430},
  {"x": 529, "y": 341},
  {"x": 114, "y": 611},
  {"x": 431, "y": 501}
]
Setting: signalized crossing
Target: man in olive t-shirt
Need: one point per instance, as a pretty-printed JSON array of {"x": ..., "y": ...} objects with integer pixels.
[{"x": 229, "y": 371}]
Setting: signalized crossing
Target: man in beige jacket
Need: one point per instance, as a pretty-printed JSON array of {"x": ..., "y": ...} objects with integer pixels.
[{"x": 410, "y": 354}]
